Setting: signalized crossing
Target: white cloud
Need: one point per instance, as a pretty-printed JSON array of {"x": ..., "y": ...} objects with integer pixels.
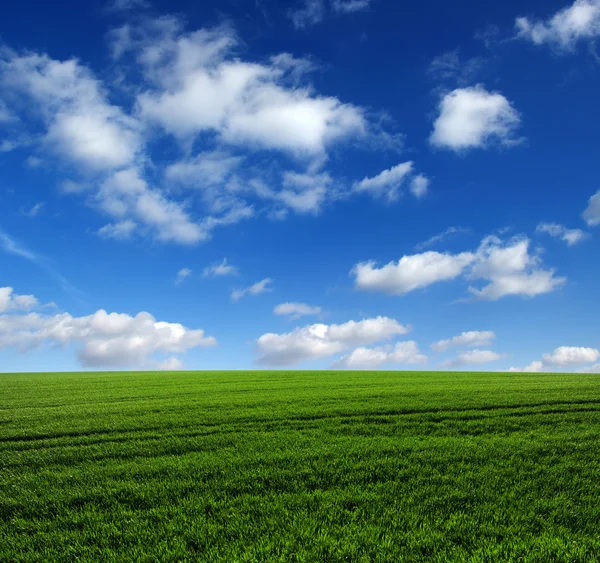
[
  {"x": 592, "y": 214},
  {"x": 564, "y": 29},
  {"x": 411, "y": 272},
  {"x": 511, "y": 270},
  {"x": 563, "y": 357},
  {"x": 531, "y": 368},
  {"x": 104, "y": 340},
  {"x": 387, "y": 183},
  {"x": 262, "y": 286},
  {"x": 320, "y": 340},
  {"x": 170, "y": 364},
  {"x": 473, "y": 357},
  {"x": 350, "y": 6},
  {"x": 10, "y": 301},
  {"x": 570, "y": 236},
  {"x": 200, "y": 87},
  {"x": 118, "y": 231},
  {"x": 371, "y": 358},
  {"x": 296, "y": 310},
  {"x": 470, "y": 338},
  {"x": 127, "y": 197},
  {"x": 571, "y": 355},
  {"x": 182, "y": 275},
  {"x": 419, "y": 186},
  {"x": 205, "y": 170},
  {"x": 81, "y": 124},
  {"x": 473, "y": 118},
  {"x": 508, "y": 268},
  {"x": 592, "y": 369},
  {"x": 220, "y": 269}
]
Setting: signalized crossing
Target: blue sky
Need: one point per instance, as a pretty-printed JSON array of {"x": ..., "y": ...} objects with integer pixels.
[{"x": 320, "y": 183}]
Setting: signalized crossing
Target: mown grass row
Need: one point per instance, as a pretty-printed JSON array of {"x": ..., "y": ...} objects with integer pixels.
[{"x": 300, "y": 467}]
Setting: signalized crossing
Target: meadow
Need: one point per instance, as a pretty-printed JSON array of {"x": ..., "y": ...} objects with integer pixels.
[{"x": 300, "y": 467}]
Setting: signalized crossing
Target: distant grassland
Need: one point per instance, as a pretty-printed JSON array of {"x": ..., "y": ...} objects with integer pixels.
[{"x": 300, "y": 467}]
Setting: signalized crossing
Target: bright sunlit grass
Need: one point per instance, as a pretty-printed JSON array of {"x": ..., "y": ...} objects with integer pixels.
[{"x": 300, "y": 467}]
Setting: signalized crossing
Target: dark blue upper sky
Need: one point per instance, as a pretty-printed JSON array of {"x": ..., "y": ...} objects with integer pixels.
[{"x": 349, "y": 183}]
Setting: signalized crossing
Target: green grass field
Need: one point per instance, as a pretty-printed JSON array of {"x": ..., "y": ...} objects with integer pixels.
[{"x": 300, "y": 466}]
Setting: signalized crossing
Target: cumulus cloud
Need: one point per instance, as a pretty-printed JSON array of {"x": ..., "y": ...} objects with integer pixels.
[
  {"x": 474, "y": 118},
  {"x": 263, "y": 286},
  {"x": 450, "y": 67},
  {"x": 508, "y": 267},
  {"x": 220, "y": 269},
  {"x": 182, "y": 275},
  {"x": 387, "y": 183},
  {"x": 531, "y": 368},
  {"x": 196, "y": 95},
  {"x": 473, "y": 357},
  {"x": 321, "y": 340},
  {"x": 571, "y": 355},
  {"x": 201, "y": 87},
  {"x": 411, "y": 272},
  {"x": 570, "y": 236},
  {"x": 10, "y": 301},
  {"x": 103, "y": 339},
  {"x": 470, "y": 338},
  {"x": 592, "y": 213},
  {"x": 563, "y": 357},
  {"x": 296, "y": 310},
  {"x": 565, "y": 28},
  {"x": 81, "y": 124},
  {"x": 372, "y": 358},
  {"x": 511, "y": 269}
]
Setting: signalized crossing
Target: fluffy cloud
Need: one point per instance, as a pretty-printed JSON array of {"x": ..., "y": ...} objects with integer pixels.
[
  {"x": 473, "y": 357},
  {"x": 220, "y": 269},
  {"x": 118, "y": 231},
  {"x": 508, "y": 268},
  {"x": 127, "y": 197},
  {"x": 10, "y": 301},
  {"x": 80, "y": 122},
  {"x": 387, "y": 183},
  {"x": 570, "y": 236},
  {"x": 571, "y": 355},
  {"x": 371, "y": 358},
  {"x": 511, "y": 270},
  {"x": 563, "y": 357},
  {"x": 473, "y": 118},
  {"x": 320, "y": 340},
  {"x": 200, "y": 87},
  {"x": 411, "y": 272},
  {"x": 592, "y": 214},
  {"x": 531, "y": 368},
  {"x": 564, "y": 29},
  {"x": 296, "y": 310},
  {"x": 471, "y": 338},
  {"x": 263, "y": 286},
  {"x": 104, "y": 340}
]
